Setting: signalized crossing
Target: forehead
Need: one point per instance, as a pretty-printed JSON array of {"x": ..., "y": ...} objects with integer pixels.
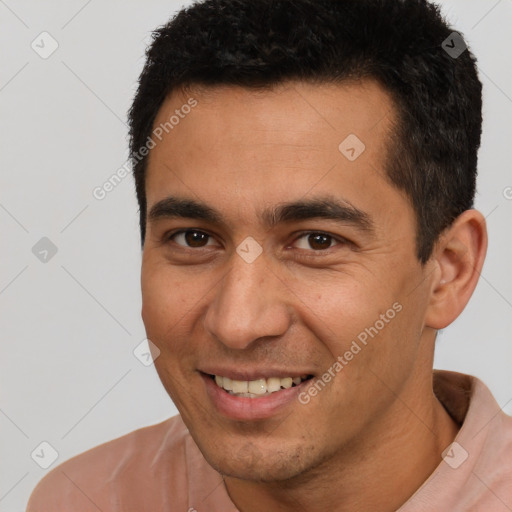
[
  {"x": 243, "y": 148},
  {"x": 296, "y": 111}
]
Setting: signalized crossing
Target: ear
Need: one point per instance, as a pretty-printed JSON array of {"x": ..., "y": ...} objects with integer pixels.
[{"x": 458, "y": 257}]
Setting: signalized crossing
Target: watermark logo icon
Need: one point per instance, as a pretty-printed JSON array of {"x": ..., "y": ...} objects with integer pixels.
[
  {"x": 44, "y": 250},
  {"x": 250, "y": 454},
  {"x": 455, "y": 455},
  {"x": 249, "y": 249},
  {"x": 146, "y": 352},
  {"x": 454, "y": 45},
  {"x": 44, "y": 45},
  {"x": 44, "y": 455},
  {"x": 351, "y": 147}
]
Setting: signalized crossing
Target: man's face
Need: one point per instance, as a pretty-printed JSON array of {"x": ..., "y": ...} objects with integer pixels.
[{"x": 310, "y": 281}]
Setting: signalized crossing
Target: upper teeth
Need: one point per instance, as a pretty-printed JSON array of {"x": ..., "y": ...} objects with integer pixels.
[{"x": 258, "y": 387}]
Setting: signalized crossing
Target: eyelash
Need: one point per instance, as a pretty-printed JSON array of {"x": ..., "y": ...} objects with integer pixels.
[{"x": 302, "y": 234}]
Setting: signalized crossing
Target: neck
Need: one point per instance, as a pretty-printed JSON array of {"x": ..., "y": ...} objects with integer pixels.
[{"x": 380, "y": 471}]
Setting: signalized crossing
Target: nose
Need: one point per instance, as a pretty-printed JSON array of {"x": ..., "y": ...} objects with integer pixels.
[{"x": 248, "y": 304}]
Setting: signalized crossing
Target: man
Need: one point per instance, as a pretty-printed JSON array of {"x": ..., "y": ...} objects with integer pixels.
[{"x": 305, "y": 172}]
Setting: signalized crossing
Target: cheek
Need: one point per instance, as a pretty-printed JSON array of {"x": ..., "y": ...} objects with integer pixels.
[
  {"x": 163, "y": 301},
  {"x": 356, "y": 320},
  {"x": 336, "y": 308},
  {"x": 173, "y": 302},
  {"x": 164, "y": 315},
  {"x": 167, "y": 293}
]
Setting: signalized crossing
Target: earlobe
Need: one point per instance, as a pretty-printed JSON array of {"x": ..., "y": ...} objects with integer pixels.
[{"x": 459, "y": 256}]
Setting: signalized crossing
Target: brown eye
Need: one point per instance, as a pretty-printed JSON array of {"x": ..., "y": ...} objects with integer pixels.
[
  {"x": 191, "y": 238},
  {"x": 315, "y": 241},
  {"x": 319, "y": 241}
]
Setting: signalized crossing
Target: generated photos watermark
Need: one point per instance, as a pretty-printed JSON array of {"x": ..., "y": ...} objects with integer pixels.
[
  {"x": 355, "y": 348},
  {"x": 156, "y": 136}
]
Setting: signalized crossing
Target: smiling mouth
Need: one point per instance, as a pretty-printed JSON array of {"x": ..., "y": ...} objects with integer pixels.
[{"x": 257, "y": 388}]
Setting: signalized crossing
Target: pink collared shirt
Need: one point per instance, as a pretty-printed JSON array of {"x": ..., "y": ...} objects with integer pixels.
[{"x": 160, "y": 468}]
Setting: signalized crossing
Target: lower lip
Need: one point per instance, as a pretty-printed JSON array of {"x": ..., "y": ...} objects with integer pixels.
[{"x": 243, "y": 408}]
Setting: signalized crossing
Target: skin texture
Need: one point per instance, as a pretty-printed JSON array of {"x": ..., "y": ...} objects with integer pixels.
[{"x": 371, "y": 437}]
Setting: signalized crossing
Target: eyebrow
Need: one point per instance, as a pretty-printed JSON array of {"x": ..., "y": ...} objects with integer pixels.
[{"x": 329, "y": 208}]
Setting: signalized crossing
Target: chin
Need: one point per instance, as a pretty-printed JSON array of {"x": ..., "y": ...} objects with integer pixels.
[{"x": 248, "y": 461}]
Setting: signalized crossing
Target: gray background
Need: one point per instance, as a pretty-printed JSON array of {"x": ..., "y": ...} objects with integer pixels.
[{"x": 69, "y": 325}]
